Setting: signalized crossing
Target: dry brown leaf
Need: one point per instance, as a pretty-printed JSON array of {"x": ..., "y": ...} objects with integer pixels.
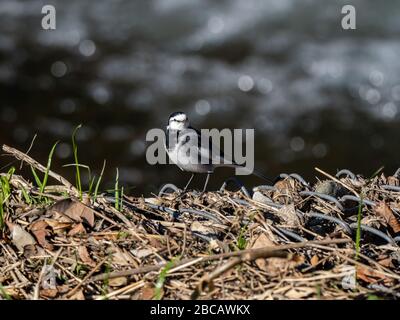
[
  {"x": 156, "y": 243},
  {"x": 122, "y": 257},
  {"x": 19, "y": 236},
  {"x": 299, "y": 292},
  {"x": 85, "y": 257},
  {"x": 372, "y": 276},
  {"x": 38, "y": 228},
  {"x": 32, "y": 250},
  {"x": 78, "y": 229},
  {"x": 78, "y": 296},
  {"x": 57, "y": 226},
  {"x": 274, "y": 266},
  {"x": 285, "y": 186},
  {"x": 393, "y": 181},
  {"x": 147, "y": 293},
  {"x": 386, "y": 262},
  {"x": 383, "y": 210},
  {"x": 48, "y": 293},
  {"x": 260, "y": 242},
  {"x": 288, "y": 214},
  {"x": 314, "y": 260},
  {"x": 63, "y": 288},
  {"x": 117, "y": 282},
  {"x": 74, "y": 210}
]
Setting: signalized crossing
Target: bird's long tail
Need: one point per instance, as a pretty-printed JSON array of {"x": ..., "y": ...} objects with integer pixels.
[{"x": 254, "y": 171}]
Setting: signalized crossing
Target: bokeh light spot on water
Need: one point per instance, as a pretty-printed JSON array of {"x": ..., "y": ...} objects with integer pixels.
[
  {"x": 286, "y": 156},
  {"x": 297, "y": 144},
  {"x": 142, "y": 60},
  {"x": 67, "y": 106},
  {"x": 202, "y": 107},
  {"x": 389, "y": 110},
  {"x": 264, "y": 85},
  {"x": 20, "y": 134},
  {"x": 377, "y": 142},
  {"x": 131, "y": 175},
  {"x": 85, "y": 133},
  {"x": 215, "y": 24},
  {"x": 373, "y": 96},
  {"x": 87, "y": 48},
  {"x": 137, "y": 147},
  {"x": 63, "y": 150},
  {"x": 116, "y": 133},
  {"x": 100, "y": 93},
  {"x": 376, "y": 78},
  {"x": 45, "y": 82},
  {"x": 396, "y": 93},
  {"x": 8, "y": 114},
  {"x": 178, "y": 66},
  {"x": 6, "y": 73},
  {"x": 245, "y": 83},
  {"x": 320, "y": 150},
  {"x": 58, "y": 69}
]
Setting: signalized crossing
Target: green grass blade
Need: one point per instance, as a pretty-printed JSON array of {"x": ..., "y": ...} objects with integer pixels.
[
  {"x": 10, "y": 173},
  {"x": 5, "y": 187},
  {"x": 96, "y": 190},
  {"x": 4, "y": 293},
  {"x": 77, "y": 167},
  {"x": 377, "y": 172},
  {"x": 5, "y": 193},
  {"x": 27, "y": 198},
  {"x": 46, "y": 174},
  {"x": 74, "y": 165},
  {"x": 161, "y": 279},
  {"x": 37, "y": 180},
  {"x": 91, "y": 184}
]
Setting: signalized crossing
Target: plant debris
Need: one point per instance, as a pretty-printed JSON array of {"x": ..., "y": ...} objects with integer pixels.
[{"x": 292, "y": 240}]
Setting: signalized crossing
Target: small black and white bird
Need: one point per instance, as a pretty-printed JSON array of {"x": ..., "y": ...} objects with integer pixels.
[{"x": 183, "y": 150}]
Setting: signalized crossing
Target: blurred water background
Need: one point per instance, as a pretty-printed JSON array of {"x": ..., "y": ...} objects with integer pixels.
[{"x": 317, "y": 95}]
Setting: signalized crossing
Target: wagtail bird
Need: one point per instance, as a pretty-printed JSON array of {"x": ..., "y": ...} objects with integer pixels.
[{"x": 186, "y": 149}]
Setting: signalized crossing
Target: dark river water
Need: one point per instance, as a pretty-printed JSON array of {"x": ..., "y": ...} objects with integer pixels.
[{"x": 316, "y": 95}]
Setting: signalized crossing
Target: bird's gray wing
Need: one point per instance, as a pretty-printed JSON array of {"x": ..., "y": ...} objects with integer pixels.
[{"x": 211, "y": 153}]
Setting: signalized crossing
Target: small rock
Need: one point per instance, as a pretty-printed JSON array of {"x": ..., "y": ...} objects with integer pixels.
[
  {"x": 330, "y": 188},
  {"x": 259, "y": 197},
  {"x": 288, "y": 215}
]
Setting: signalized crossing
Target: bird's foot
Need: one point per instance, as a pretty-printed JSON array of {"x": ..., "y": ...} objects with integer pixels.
[{"x": 181, "y": 194}]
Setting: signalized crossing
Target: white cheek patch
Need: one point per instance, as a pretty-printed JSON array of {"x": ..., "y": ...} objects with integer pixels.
[
  {"x": 175, "y": 125},
  {"x": 179, "y": 117}
]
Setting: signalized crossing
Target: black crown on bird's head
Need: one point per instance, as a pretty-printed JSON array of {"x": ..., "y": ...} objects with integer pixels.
[
  {"x": 176, "y": 114},
  {"x": 178, "y": 121}
]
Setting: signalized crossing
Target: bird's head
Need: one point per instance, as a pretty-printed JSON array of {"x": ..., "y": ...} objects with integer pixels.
[{"x": 178, "y": 121}]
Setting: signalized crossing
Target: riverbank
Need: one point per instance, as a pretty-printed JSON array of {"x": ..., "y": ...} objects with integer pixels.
[{"x": 336, "y": 239}]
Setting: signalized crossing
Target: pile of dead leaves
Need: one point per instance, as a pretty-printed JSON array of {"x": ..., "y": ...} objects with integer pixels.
[{"x": 217, "y": 245}]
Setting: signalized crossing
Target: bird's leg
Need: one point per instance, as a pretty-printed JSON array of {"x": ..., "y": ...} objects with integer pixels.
[
  {"x": 185, "y": 189},
  {"x": 205, "y": 184},
  {"x": 187, "y": 185}
]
